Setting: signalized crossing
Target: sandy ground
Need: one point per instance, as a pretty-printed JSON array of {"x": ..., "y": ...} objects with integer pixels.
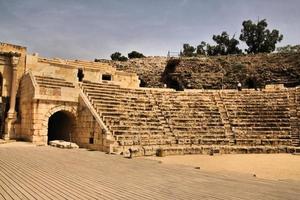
[
  {"x": 15, "y": 144},
  {"x": 266, "y": 166}
]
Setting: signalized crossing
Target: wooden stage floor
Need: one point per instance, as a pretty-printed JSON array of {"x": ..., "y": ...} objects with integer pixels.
[{"x": 30, "y": 172}]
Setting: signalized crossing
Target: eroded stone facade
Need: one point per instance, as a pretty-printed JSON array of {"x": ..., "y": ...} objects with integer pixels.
[{"x": 101, "y": 108}]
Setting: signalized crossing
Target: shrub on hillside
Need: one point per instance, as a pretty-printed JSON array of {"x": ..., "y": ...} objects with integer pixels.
[
  {"x": 135, "y": 54},
  {"x": 117, "y": 56},
  {"x": 171, "y": 65}
]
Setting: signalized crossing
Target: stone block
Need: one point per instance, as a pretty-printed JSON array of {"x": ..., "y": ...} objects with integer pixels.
[{"x": 63, "y": 144}]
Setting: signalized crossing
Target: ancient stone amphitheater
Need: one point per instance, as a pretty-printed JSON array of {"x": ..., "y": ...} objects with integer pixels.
[{"x": 102, "y": 108}]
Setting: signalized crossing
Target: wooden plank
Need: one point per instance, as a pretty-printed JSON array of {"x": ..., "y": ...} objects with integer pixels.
[{"x": 51, "y": 173}]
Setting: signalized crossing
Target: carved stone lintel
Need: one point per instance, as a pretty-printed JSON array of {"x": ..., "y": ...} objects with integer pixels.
[
  {"x": 10, "y": 54},
  {"x": 15, "y": 61}
]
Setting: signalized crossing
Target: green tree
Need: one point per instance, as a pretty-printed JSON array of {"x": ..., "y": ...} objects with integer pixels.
[
  {"x": 232, "y": 47},
  {"x": 258, "y": 38},
  {"x": 123, "y": 58},
  {"x": 211, "y": 50},
  {"x": 115, "y": 56},
  {"x": 188, "y": 50},
  {"x": 225, "y": 44},
  {"x": 135, "y": 54},
  {"x": 201, "y": 48}
]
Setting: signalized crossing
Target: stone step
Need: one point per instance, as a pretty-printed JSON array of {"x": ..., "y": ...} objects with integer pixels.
[
  {"x": 138, "y": 132},
  {"x": 50, "y": 82},
  {"x": 249, "y": 123},
  {"x": 48, "y": 78},
  {"x": 123, "y": 100},
  {"x": 136, "y": 128},
  {"x": 261, "y": 128},
  {"x": 125, "y": 119},
  {"x": 262, "y": 116},
  {"x": 98, "y": 85}
]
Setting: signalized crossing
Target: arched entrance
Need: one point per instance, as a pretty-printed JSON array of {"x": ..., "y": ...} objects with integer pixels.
[
  {"x": 175, "y": 84},
  {"x": 251, "y": 83},
  {"x": 61, "y": 126}
]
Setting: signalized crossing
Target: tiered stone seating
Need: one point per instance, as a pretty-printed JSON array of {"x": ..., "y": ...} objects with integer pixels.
[
  {"x": 51, "y": 82},
  {"x": 259, "y": 118},
  {"x": 192, "y": 121},
  {"x": 294, "y": 104},
  {"x": 194, "y": 118},
  {"x": 128, "y": 113},
  {"x": 84, "y": 63},
  {"x": 146, "y": 117}
]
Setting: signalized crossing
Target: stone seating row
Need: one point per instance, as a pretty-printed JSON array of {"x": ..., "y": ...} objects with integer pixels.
[
  {"x": 213, "y": 149},
  {"x": 118, "y": 107},
  {"x": 151, "y": 117},
  {"x": 258, "y": 115},
  {"x": 51, "y": 82},
  {"x": 194, "y": 113},
  {"x": 121, "y": 104}
]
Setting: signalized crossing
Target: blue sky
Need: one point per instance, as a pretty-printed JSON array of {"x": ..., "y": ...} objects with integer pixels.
[{"x": 88, "y": 29}]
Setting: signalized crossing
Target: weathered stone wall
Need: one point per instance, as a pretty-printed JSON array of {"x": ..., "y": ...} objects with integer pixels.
[
  {"x": 6, "y": 67},
  {"x": 37, "y": 104},
  {"x": 25, "y": 114},
  {"x": 68, "y": 70},
  {"x": 148, "y": 69},
  {"x": 88, "y": 132},
  {"x": 42, "y": 111},
  {"x": 215, "y": 72},
  {"x": 19, "y": 49}
]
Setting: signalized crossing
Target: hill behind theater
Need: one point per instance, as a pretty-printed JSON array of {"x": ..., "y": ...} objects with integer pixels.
[{"x": 216, "y": 71}]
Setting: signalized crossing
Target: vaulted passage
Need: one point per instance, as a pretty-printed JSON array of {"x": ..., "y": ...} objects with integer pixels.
[{"x": 60, "y": 126}]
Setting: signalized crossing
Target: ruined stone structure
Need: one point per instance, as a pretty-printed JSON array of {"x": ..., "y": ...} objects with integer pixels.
[
  {"x": 217, "y": 72},
  {"x": 101, "y": 108}
]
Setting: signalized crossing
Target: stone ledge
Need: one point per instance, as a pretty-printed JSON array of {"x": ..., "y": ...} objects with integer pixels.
[
  {"x": 165, "y": 151},
  {"x": 136, "y": 151}
]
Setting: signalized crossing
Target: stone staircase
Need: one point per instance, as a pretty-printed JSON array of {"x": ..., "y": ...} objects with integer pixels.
[
  {"x": 129, "y": 114},
  {"x": 51, "y": 82},
  {"x": 259, "y": 118},
  {"x": 195, "y": 122},
  {"x": 224, "y": 116},
  {"x": 154, "y": 119},
  {"x": 294, "y": 103},
  {"x": 193, "y": 118}
]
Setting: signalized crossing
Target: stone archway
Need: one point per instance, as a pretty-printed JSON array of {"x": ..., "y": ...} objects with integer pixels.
[
  {"x": 251, "y": 83},
  {"x": 61, "y": 126},
  {"x": 60, "y": 122}
]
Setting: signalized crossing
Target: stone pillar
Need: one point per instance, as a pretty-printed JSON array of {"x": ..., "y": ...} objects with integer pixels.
[{"x": 12, "y": 114}]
